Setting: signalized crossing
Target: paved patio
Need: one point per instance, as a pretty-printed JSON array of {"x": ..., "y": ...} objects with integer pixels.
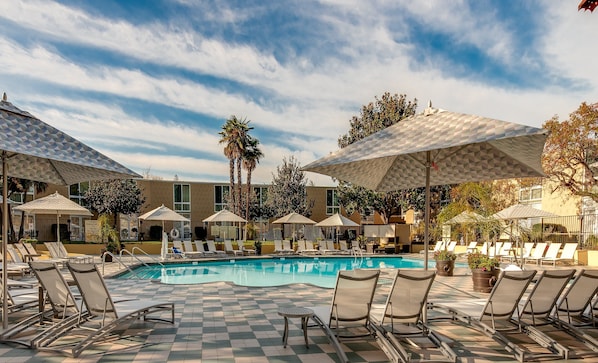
[{"x": 221, "y": 322}]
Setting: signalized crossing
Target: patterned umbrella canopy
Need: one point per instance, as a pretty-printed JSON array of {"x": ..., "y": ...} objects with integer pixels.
[
  {"x": 31, "y": 149},
  {"x": 437, "y": 147}
]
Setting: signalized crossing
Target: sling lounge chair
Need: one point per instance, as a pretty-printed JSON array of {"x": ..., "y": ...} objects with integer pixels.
[
  {"x": 228, "y": 247},
  {"x": 212, "y": 248},
  {"x": 189, "y": 252},
  {"x": 492, "y": 316},
  {"x": 287, "y": 247},
  {"x": 350, "y": 307},
  {"x": 402, "y": 315},
  {"x": 99, "y": 308},
  {"x": 244, "y": 251},
  {"x": 567, "y": 255},
  {"x": 552, "y": 252}
]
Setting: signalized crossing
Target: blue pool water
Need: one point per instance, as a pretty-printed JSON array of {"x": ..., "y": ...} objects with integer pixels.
[{"x": 267, "y": 272}]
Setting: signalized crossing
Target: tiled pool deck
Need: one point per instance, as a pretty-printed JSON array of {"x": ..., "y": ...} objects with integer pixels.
[{"x": 221, "y": 322}]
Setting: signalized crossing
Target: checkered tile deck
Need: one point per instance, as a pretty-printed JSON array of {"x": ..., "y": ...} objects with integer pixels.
[{"x": 220, "y": 322}]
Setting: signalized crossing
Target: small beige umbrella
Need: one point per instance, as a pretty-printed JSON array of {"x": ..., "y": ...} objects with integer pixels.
[
  {"x": 163, "y": 213},
  {"x": 54, "y": 204},
  {"x": 293, "y": 219},
  {"x": 337, "y": 220},
  {"x": 225, "y": 215}
]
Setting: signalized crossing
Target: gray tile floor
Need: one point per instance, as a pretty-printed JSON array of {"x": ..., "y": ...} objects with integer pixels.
[{"x": 221, "y": 322}]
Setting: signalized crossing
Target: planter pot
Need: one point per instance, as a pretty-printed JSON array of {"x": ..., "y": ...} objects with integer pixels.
[
  {"x": 483, "y": 281},
  {"x": 445, "y": 267}
]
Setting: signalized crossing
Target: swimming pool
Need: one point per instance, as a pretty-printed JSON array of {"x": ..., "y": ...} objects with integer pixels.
[{"x": 319, "y": 271}]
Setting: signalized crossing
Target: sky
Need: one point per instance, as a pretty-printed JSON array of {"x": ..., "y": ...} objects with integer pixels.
[{"x": 150, "y": 83}]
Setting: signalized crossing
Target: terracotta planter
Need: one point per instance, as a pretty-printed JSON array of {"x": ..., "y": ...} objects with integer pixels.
[
  {"x": 445, "y": 267},
  {"x": 483, "y": 281}
]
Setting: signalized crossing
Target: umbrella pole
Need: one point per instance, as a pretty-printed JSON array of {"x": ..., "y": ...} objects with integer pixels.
[
  {"x": 4, "y": 240},
  {"x": 427, "y": 211}
]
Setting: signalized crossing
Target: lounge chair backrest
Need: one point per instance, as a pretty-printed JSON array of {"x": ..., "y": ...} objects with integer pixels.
[
  {"x": 484, "y": 249},
  {"x": 309, "y": 245},
  {"x": 451, "y": 246},
  {"x": 286, "y": 245},
  {"x": 553, "y": 250},
  {"x": 472, "y": 245},
  {"x": 199, "y": 246},
  {"x": 13, "y": 254},
  {"x": 228, "y": 245},
  {"x": 505, "y": 249},
  {"x": 495, "y": 250},
  {"x": 330, "y": 245},
  {"x": 343, "y": 245},
  {"x": 189, "y": 246},
  {"x": 277, "y": 245},
  {"x": 539, "y": 250},
  {"x": 353, "y": 296},
  {"x": 62, "y": 250},
  {"x": 545, "y": 293},
  {"x": 56, "y": 288},
  {"x": 408, "y": 296},
  {"x": 568, "y": 252},
  {"x": 527, "y": 249},
  {"x": 93, "y": 290},
  {"x": 506, "y": 295},
  {"x": 22, "y": 250},
  {"x": 439, "y": 246},
  {"x": 578, "y": 296},
  {"x": 53, "y": 250},
  {"x": 211, "y": 245},
  {"x": 178, "y": 245},
  {"x": 301, "y": 246}
]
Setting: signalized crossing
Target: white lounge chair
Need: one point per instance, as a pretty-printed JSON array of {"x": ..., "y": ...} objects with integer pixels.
[
  {"x": 567, "y": 255},
  {"x": 472, "y": 247},
  {"x": 552, "y": 252},
  {"x": 278, "y": 246},
  {"x": 437, "y": 247},
  {"x": 309, "y": 248},
  {"x": 243, "y": 249},
  {"x": 287, "y": 247},
  {"x": 228, "y": 248},
  {"x": 537, "y": 254},
  {"x": 190, "y": 252},
  {"x": 450, "y": 247},
  {"x": 212, "y": 248}
]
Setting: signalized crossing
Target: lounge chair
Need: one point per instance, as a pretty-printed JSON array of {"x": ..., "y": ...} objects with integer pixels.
[
  {"x": 505, "y": 250},
  {"x": 402, "y": 315},
  {"x": 351, "y": 303},
  {"x": 244, "y": 251},
  {"x": 287, "y": 247},
  {"x": 574, "y": 307},
  {"x": 450, "y": 247},
  {"x": 99, "y": 308},
  {"x": 437, "y": 247},
  {"x": 20, "y": 300},
  {"x": 567, "y": 255},
  {"x": 331, "y": 247},
  {"x": 492, "y": 316},
  {"x": 301, "y": 247},
  {"x": 350, "y": 307},
  {"x": 343, "y": 247},
  {"x": 551, "y": 253},
  {"x": 278, "y": 246},
  {"x": 56, "y": 254},
  {"x": 16, "y": 262},
  {"x": 212, "y": 249},
  {"x": 74, "y": 257},
  {"x": 520, "y": 254},
  {"x": 199, "y": 245},
  {"x": 228, "y": 247},
  {"x": 494, "y": 251},
  {"x": 309, "y": 248},
  {"x": 177, "y": 251},
  {"x": 472, "y": 247},
  {"x": 537, "y": 254},
  {"x": 189, "y": 252}
]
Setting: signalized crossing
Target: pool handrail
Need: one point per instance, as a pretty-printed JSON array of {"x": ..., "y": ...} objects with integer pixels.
[{"x": 132, "y": 253}]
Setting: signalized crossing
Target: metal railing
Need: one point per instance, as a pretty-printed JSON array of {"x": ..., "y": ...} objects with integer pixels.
[{"x": 582, "y": 229}]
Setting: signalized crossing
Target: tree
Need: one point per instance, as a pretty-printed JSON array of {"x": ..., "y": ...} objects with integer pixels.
[
  {"x": 113, "y": 197},
  {"x": 234, "y": 136},
  {"x": 385, "y": 111},
  {"x": 571, "y": 152},
  {"x": 251, "y": 158},
  {"x": 287, "y": 192}
]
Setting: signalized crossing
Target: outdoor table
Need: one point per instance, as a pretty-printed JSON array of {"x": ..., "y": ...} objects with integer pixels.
[{"x": 295, "y": 312}]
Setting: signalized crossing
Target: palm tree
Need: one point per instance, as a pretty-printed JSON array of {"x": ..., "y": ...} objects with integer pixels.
[
  {"x": 234, "y": 135},
  {"x": 250, "y": 160}
]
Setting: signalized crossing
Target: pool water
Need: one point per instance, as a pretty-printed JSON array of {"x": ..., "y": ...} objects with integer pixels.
[{"x": 266, "y": 272}]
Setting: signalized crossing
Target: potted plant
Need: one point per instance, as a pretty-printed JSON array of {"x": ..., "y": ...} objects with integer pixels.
[
  {"x": 484, "y": 271},
  {"x": 445, "y": 262},
  {"x": 257, "y": 244}
]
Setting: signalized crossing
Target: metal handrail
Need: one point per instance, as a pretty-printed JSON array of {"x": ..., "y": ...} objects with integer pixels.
[
  {"x": 145, "y": 253},
  {"x": 117, "y": 260}
]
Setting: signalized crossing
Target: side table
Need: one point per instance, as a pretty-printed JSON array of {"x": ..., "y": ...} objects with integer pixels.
[{"x": 295, "y": 312}]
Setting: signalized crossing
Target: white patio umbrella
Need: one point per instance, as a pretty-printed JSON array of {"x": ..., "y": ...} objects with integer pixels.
[
  {"x": 293, "y": 219},
  {"x": 518, "y": 212},
  {"x": 337, "y": 220},
  {"x": 31, "y": 149},
  {"x": 163, "y": 213},
  {"x": 437, "y": 147},
  {"x": 225, "y": 215},
  {"x": 54, "y": 204}
]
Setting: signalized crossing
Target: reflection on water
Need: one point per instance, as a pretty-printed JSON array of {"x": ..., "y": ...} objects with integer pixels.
[{"x": 268, "y": 272}]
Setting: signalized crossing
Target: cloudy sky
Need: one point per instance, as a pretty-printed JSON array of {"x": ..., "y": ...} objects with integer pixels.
[{"x": 150, "y": 83}]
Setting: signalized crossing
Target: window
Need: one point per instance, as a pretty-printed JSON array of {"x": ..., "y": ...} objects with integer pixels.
[
  {"x": 182, "y": 199},
  {"x": 220, "y": 195},
  {"x": 77, "y": 193},
  {"x": 530, "y": 194},
  {"x": 332, "y": 205}
]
